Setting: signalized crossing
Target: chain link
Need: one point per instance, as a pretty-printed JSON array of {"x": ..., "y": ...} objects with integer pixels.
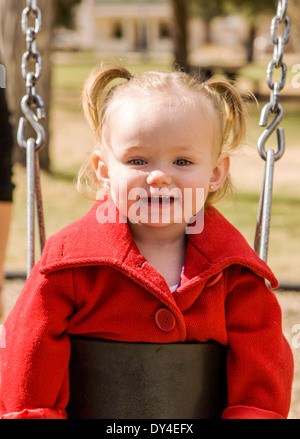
[
  {"x": 33, "y": 108},
  {"x": 273, "y": 107},
  {"x": 32, "y": 104},
  {"x": 282, "y": 9},
  {"x": 277, "y": 63}
]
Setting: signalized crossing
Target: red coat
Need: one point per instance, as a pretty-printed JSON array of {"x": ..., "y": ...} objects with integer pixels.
[{"x": 92, "y": 281}]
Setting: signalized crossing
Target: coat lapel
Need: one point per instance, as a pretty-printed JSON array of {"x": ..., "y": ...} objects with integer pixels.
[{"x": 102, "y": 237}]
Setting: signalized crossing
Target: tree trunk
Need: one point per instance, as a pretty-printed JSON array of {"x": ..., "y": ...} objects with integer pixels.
[
  {"x": 180, "y": 33},
  {"x": 250, "y": 42},
  {"x": 12, "y": 47},
  {"x": 207, "y": 31},
  {"x": 293, "y": 12}
]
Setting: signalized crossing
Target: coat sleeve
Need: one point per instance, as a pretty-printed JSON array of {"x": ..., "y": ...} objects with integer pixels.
[
  {"x": 35, "y": 356},
  {"x": 260, "y": 362}
]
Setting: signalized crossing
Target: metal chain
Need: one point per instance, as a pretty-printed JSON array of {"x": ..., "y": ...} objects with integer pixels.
[
  {"x": 277, "y": 63},
  {"x": 31, "y": 101},
  {"x": 33, "y": 109},
  {"x": 270, "y": 156}
]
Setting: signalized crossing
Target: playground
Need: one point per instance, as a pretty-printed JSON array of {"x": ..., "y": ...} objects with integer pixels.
[
  {"x": 267, "y": 214},
  {"x": 71, "y": 142}
]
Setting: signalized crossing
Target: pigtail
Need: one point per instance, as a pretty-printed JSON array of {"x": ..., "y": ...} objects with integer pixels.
[
  {"x": 95, "y": 94},
  {"x": 234, "y": 127},
  {"x": 229, "y": 103}
]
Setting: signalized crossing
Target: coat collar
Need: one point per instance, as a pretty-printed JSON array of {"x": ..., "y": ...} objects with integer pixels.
[{"x": 92, "y": 241}]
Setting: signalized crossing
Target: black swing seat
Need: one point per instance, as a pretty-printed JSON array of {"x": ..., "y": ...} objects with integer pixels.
[{"x": 117, "y": 380}]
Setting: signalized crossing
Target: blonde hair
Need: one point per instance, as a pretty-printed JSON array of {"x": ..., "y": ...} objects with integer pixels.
[{"x": 101, "y": 90}]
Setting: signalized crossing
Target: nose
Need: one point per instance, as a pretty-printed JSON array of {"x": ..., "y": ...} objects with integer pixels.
[{"x": 158, "y": 177}]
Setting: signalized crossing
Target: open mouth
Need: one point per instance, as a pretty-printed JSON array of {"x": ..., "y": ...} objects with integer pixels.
[{"x": 161, "y": 200}]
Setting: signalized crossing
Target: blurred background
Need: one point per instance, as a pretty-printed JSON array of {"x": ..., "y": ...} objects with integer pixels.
[{"x": 217, "y": 37}]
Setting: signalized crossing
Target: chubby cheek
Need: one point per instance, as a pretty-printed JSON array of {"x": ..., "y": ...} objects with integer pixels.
[
  {"x": 118, "y": 194},
  {"x": 124, "y": 188},
  {"x": 193, "y": 201},
  {"x": 195, "y": 191}
]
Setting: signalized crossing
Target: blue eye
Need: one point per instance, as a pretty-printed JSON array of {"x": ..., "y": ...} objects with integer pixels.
[{"x": 182, "y": 162}]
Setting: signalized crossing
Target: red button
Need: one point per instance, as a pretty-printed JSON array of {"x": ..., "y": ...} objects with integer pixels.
[{"x": 165, "y": 319}]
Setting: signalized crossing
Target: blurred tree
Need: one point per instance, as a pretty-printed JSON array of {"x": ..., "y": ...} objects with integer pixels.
[
  {"x": 207, "y": 11},
  {"x": 64, "y": 12},
  {"x": 12, "y": 47},
  {"x": 180, "y": 12},
  {"x": 294, "y": 14},
  {"x": 251, "y": 10}
]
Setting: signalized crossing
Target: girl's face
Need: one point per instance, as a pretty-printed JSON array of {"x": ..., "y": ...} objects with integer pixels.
[{"x": 161, "y": 161}]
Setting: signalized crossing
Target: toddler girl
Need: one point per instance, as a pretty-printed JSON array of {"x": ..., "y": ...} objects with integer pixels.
[{"x": 153, "y": 244}]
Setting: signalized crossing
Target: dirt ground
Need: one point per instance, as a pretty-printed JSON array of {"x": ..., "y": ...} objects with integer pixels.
[{"x": 290, "y": 304}]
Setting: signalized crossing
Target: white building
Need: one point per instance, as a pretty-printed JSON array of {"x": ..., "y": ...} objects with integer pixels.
[
  {"x": 125, "y": 26},
  {"x": 145, "y": 26}
]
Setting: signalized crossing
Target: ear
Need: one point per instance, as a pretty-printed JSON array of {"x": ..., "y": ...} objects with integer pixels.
[
  {"x": 220, "y": 172},
  {"x": 100, "y": 169}
]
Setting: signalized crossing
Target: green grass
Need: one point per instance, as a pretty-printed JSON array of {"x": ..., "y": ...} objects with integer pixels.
[
  {"x": 283, "y": 255},
  {"x": 290, "y": 123}
]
